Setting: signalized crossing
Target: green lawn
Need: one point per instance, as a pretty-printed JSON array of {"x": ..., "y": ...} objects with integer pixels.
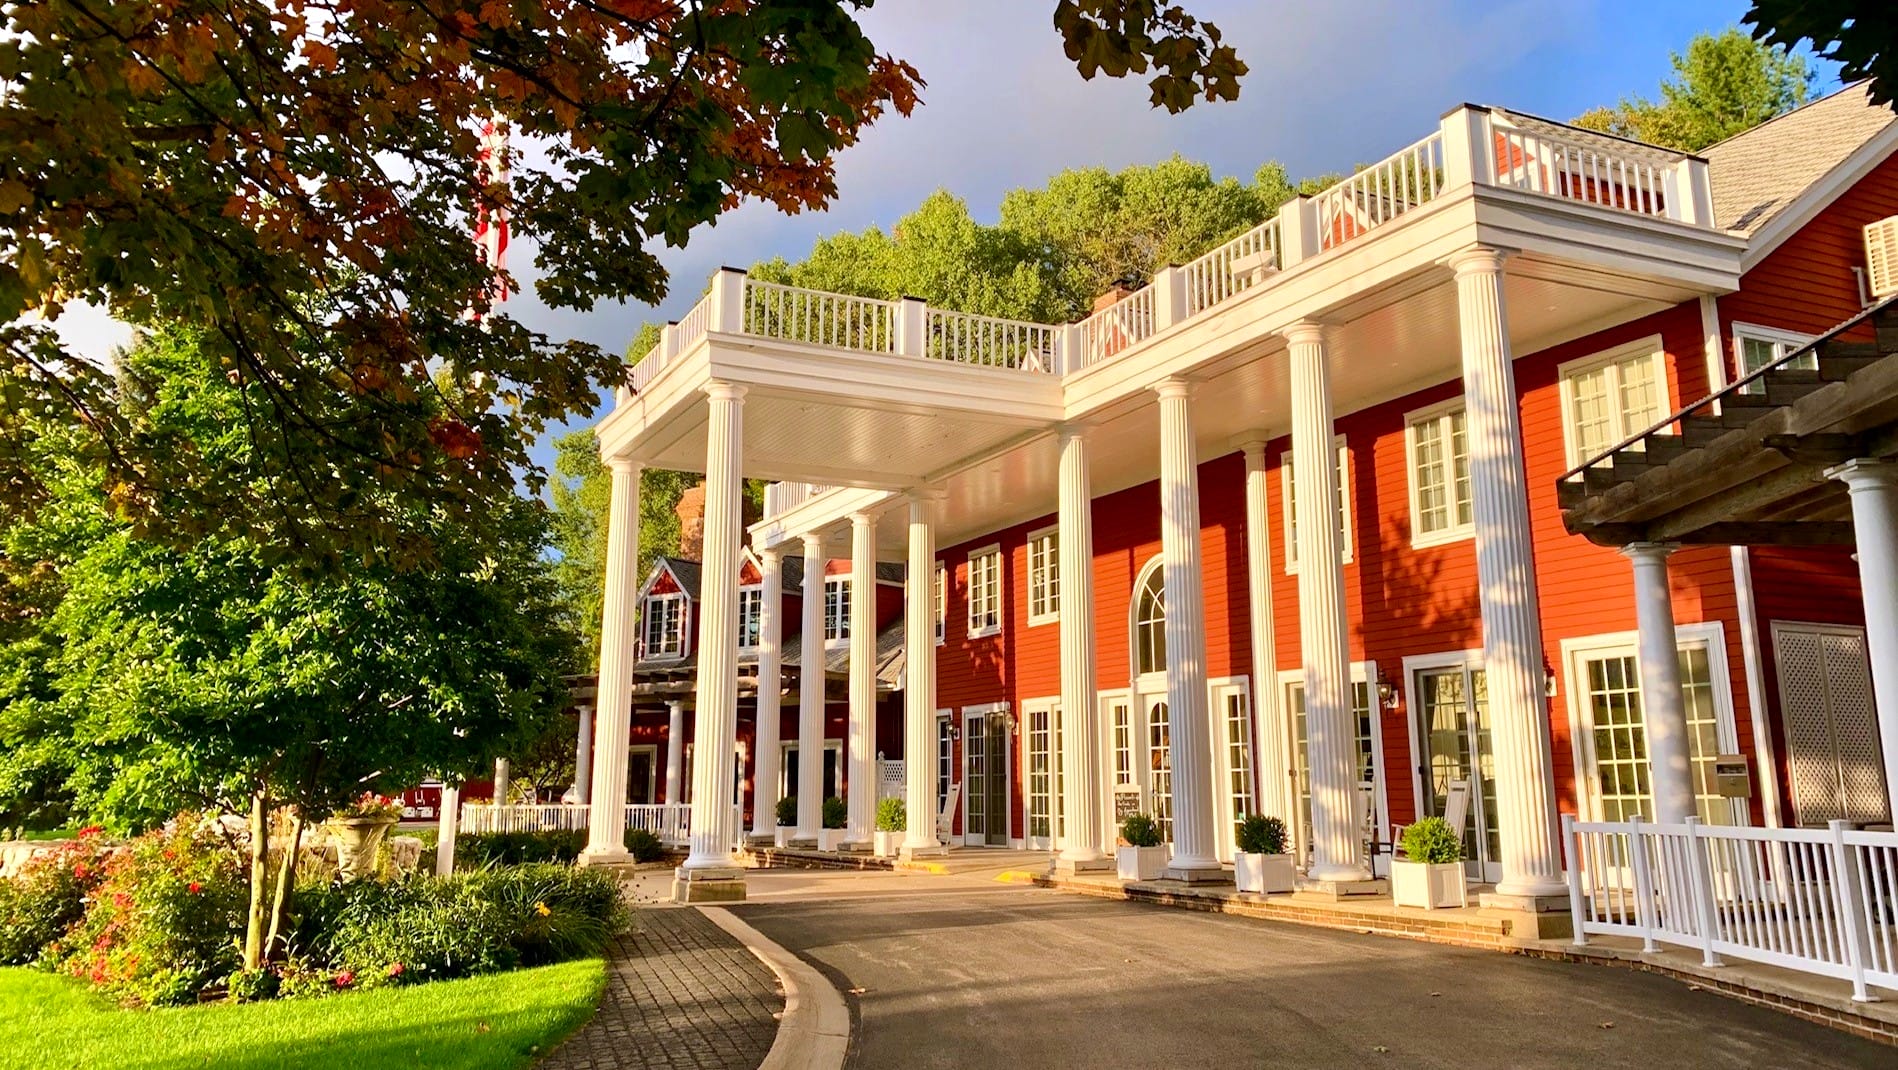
[{"x": 497, "y": 1021}]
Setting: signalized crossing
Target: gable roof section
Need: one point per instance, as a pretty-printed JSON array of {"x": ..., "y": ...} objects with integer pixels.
[
  {"x": 1769, "y": 181},
  {"x": 684, "y": 573}
]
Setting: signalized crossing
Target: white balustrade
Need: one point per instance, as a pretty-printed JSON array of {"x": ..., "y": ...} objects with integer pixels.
[
  {"x": 696, "y": 322},
  {"x": 965, "y": 338},
  {"x": 1232, "y": 268},
  {"x": 1820, "y": 901},
  {"x": 670, "y": 822},
  {"x": 1630, "y": 181},
  {"x": 1118, "y": 326},
  {"x": 523, "y": 817},
  {"x": 1381, "y": 192},
  {"x": 783, "y": 497},
  {"x": 813, "y": 317}
]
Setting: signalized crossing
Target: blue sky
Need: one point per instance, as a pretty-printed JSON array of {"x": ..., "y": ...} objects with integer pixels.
[{"x": 1331, "y": 84}]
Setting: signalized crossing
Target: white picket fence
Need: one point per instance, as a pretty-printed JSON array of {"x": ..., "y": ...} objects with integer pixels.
[
  {"x": 671, "y": 822},
  {"x": 1821, "y": 901}
]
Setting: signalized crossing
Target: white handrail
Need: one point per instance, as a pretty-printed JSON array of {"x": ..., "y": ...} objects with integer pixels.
[
  {"x": 815, "y": 317},
  {"x": 1556, "y": 167},
  {"x": 1116, "y": 327},
  {"x": 479, "y": 818},
  {"x": 1213, "y": 277},
  {"x": 1381, "y": 192},
  {"x": 966, "y": 338},
  {"x": 1821, "y": 901}
]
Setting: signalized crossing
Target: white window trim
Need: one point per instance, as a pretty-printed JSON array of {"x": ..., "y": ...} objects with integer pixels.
[
  {"x": 743, "y": 589},
  {"x": 1467, "y": 660},
  {"x": 1566, "y": 372},
  {"x": 985, "y": 631},
  {"x": 1776, "y": 336},
  {"x": 1362, "y": 672},
  {"x": 1582, "y": 743},
  {"x": 1217, "y": 689},
  {"x": 1419, "y": 539},
  {"x": 843, "y": 638},
  {"x": 1347, "y": 530},
  {"x": 942, "y": 603},
  {"x": 1053, "y": 614},
  {"x": 1050, "y": 705},
  {"x": 685, "y": 625}
]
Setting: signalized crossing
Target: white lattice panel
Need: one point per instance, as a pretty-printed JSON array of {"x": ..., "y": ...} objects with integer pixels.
[
  {"x": 1810, "y": 756},
  {"x": 1832, "y": 744},
  {"x": 892, "y": 781},
  {"x": 1855, "y": 729}
]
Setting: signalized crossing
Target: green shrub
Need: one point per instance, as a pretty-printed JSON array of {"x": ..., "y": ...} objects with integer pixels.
[
  {"x": 1261, "y": 835},
  {"x": 477, "y": 850},
  {"x": 1140, "y": 830},
  {"x": 643, "y": 845},
  {"x": 787, "y": 811},
  {"x": 892, "y": 815},
  {"x": 836, "y": 814},
  {"x": 47, "y": 898},
  {"x": 1431, "y": 841},
  {"x": 162, "y": 924}
]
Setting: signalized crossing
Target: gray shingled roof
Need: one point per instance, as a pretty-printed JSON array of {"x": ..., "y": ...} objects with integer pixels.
[{"x": 1757, "y": 174}]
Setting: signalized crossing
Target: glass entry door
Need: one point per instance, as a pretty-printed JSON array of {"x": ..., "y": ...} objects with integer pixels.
[
  {"x": 1160, "y": 766},
  {"x": 1452, "y": 710},
  {"x": 985, "y": 755}
]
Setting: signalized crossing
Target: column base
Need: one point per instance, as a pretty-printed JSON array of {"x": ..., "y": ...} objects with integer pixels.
[
  {"x": 809, "y": 842},
  {"x": 1533, "y": 904},
  {"x": 1214, "y": 874},
  {"x": 761, "y": 839},
  {"x": 928, "y": 850},
  {"x": 708, "y": 884},
  {"x": 1344, "y": 889},
  {"x": 612, "y": 857},
  {"x": 854, "y": 847},
  {"x": 1070, "y": 866}
]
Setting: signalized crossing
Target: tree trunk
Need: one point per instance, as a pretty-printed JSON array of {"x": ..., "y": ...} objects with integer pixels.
[
  {"x": 259, "y": 879},
  {"x": 286, "y": 881}
]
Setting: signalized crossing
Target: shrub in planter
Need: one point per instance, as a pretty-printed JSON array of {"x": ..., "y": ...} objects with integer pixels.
[
  {"x": 1431, "y": 842},
  {"x": 1430, "y": 874},
  {"x": 1261, "y": 835},
  {"x": 787, "y": 811},
  {"x": 1144, "y": 856},
  {"x": 1140, "y": 830},
  {"x": 835, "y": 815},
  {"x": 48, "y": 898},
  {"x": 1261, "y": 864},
  {"x": 892, "y": 822},
  {"x": 643, "y": 845}
]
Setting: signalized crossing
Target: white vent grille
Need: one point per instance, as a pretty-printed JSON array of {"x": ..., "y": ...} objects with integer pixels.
[{"x": 1881, "y": 256}]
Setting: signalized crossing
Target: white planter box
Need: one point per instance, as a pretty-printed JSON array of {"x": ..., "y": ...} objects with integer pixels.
[
  {"x": 1140, "y": 863},
  {"x": 1263, "y": 874},
  {"x": 830, "y": 839},
  {"x": 1430, "y": 886},
  {"x": 783, "y": 833},
  {"x": 887, "y": 843}
]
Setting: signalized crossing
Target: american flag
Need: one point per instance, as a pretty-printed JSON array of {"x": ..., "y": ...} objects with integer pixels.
[{"x": 490, "y": 232}]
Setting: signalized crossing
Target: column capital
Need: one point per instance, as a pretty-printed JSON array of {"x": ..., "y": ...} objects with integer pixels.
[
  {"x": 1649, "y": 551},
  {"x": 1252, "y": 444},
  {"x": 932, "y": 495},
  {"x": 813, "y": 541},
  {"x": 770, "y": 553},
  {"x": 720, "y": 390},
  {"x": 1864, "y": 472},
  {"x": 1078, "y": 429},
  {"x": 1476, "y": 260},
  {"x": 625, "y": 465},
  {"x": 1305, "y": 332},
  {"x": 862, "y": 519},
  {"x": 1174, "y": 387}
]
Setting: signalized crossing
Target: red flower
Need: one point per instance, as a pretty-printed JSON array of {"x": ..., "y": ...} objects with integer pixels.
[
  {"x": 395, "y": 969},
  {"x": 81, "y": 871},
  {"x": 90, "y": 831},
  {"x": 345, "y": 979},
  {"x": 194, "y": 887}
]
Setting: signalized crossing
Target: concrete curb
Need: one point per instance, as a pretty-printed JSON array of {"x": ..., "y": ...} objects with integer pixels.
[{"x": 815, "y": 1030}]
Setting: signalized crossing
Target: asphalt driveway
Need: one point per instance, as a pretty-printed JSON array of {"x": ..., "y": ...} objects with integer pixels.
[{"x": 948, "y": 972}]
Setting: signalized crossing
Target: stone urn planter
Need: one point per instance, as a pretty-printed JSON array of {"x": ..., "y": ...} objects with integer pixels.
[{"x": 357, "y": 841}]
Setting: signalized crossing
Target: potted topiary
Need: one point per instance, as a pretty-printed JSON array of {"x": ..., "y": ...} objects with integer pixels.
[
  {"x": 892, "y": 821},
  {"x": 831, "y": 836},
  {"x": 1261, "y": 864},
  {"x": 1430, "y": 875},
  {"x": 787, "y": 819},
  {"x": 1141, "y": 856},
  {"x": 359, "y": 829}
]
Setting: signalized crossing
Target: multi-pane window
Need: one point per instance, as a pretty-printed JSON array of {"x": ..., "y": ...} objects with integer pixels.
[
  {"x": 942, "y": 603},
  {"x": 985, "y": 592},
  {"x": 1618, "y": 733},
  {"x": 1612, "y": 397},
  {"x": 1150, "y": 623},
  {"x": 1442, "y": 507},
  {"x": 1238, "y": 755},
  {"x": 750, "y": 616},
  {"x": 945, "y": 761},
  {"x": 1756, "y": 347},
  {"x": 1044, "y": 577},
  {"x": 665, "y": 626},
  {"x": 1365, "y": 749},
  {"x": 836, "y": 608},
  {"x": 1122, "y": 715},
  {"x": 1291, "y": 506}
]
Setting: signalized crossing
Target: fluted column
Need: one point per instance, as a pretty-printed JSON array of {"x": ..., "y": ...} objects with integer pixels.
[
  {"x": 1873, "y": 486},
  {"x": 810, "y": 695},
  {"x": 1273, "y": 761},
  {"x": 919, "y": 680},
  {"x": 675, "y": 751},
  {"x": 764, "y": 778},
  {"x": 1191, "y": 742},
  {"x": 862, "y": 791},
  {"x": 583, "y": 757},
  {"x": 1330, "y": 725},
  {"x": 448, "y": 826},
  {"x": 606, "y": 800},
  {"x": 1663, "y": 706},
  {"x": 1513, "y": 656},
  {"x": 715, "y": 720},
  {"x": 1082, "y": 816}
]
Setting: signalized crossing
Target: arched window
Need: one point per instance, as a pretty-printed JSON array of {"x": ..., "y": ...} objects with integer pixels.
[{"x": 1150, "y": 620}]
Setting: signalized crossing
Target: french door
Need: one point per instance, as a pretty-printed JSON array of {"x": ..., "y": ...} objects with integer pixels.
[
  {"x": 1160, "y": 764},
  {"x": 1042, "y": 726},
  {"x": 985, "y": 776},
  {"x": 1451, "y": 706}
]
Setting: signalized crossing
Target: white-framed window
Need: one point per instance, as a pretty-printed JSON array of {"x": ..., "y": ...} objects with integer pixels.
[
  {"x": 985, "y": 592},
  {"x": 1044, "y": 577},
  {"x": 1369, "y": 749},
  {"x": 1754, "y": 347},
  {"x": 665, "y": 625},
  {"x": 945, "y": 757},
  {"x": 1120, "y": 718},
  {"x": 836, "y": 609},
  {"x": 1291, "y": 506},
  {"x": 1437, "y": 449},
  {"x": 1609, "y": 727},
  {"x": 1041, "y": 771},
  {"x": 1232, "y": 707},
  {"x": 750, "y": 616},
  {"x": 942, "y": 603},
  {"x": 1149, "y": 624},
  {"x": 1610, "y": 396}
]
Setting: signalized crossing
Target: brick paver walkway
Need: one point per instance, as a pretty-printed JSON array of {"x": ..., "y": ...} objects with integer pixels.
[{"x": 680, "y": 993}]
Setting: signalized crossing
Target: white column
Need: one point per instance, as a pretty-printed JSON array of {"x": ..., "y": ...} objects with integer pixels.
[
  {"x": 675, "y": 751},
  {"x": 1330, "y": 723},
  {"x": 1273, "y": 761},
  {"x": 1663, "y": 706},
  {"x": 862, "y": 790},
  {"x": 503, "y": 781},
  {"x": 764, "y": 777},
  {"x": 715, "y": 721},
  {"x": 810, "y": 695},
  {"x": 583, "y": 756},
  {"x": 919, "y": 680},
  {"x": 1082, "y": 813},
  {"x": 1873, "y": 486},
  {"x": 1191, "y": 742},
  {"x": 1513, "y": 655},
  {"x": 606, "y": 815},
  {"x": 447, "y": 827}
]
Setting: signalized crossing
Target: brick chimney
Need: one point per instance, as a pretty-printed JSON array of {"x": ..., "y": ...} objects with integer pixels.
[
  {"x": 691, "y": 514},
  {"x": 1122, "y": 289}
]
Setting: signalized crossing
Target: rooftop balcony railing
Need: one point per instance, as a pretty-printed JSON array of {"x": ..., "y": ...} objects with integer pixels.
[{"x": 1472, "y": 146}]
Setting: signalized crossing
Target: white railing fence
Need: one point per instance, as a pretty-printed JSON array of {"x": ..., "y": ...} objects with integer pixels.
[
  {"x": 1820, "y": 901},
  {"x": 1539, "y": 163},
  {"x": 522, "y": 817},
  {"x": 1117, "y": 327},
  {"x": 966, "y": 338},
  {"x": 1232, "y": 268},
  {"x": 1381, "y": 192},
  {"x": 671, "y": 822},
  {"x": 814, "y": 317},
  {"x": 782, "y": 497}
]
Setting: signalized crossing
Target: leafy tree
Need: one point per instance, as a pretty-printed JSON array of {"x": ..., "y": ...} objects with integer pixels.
[
  {"x": 297, "y": 182},
  {"x": 1723, "y": 84},
  {"x": 1860, "y": 35}
]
